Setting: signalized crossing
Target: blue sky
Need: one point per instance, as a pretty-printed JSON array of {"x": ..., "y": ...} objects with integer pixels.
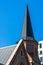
[{"x": 12, "y": 17}]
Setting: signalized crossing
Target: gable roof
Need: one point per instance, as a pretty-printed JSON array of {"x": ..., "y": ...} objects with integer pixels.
[{"x": 7, "y": 53}]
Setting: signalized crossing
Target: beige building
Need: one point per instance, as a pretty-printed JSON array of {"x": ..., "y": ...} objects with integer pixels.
[{"x": 25, "y": 52}]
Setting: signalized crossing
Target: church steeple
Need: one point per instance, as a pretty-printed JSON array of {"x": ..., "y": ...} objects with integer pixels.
[{"x": 27, "y": 31}]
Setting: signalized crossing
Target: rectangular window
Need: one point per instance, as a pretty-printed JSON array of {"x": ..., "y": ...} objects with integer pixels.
[
  {"x": 40, "y": 45},
  {"x": 40, "y": 52},
  {"x": 41, "y": 59}
]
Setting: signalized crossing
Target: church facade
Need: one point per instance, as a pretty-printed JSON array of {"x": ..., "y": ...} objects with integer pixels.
[{"x": 25, "y": 52}]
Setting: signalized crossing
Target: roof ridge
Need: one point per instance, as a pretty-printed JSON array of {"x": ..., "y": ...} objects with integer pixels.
[
  {"x": 8, "y": 46},
  {"x": 13, "y": 53}
]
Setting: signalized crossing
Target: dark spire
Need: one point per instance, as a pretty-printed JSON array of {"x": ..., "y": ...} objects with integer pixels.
[{"x": 27, "y": 31}]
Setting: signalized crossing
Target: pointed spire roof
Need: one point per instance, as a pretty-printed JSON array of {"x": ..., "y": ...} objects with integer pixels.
[{"x": 27, "y": 31}]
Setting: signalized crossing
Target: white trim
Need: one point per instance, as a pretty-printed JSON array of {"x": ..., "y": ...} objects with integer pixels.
[{"x": 9, "y": 60}]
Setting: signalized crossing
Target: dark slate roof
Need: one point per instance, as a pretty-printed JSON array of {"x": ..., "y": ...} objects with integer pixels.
[
  {"x": 27, "y": 27},
  {"x": 5, "y": 53}
]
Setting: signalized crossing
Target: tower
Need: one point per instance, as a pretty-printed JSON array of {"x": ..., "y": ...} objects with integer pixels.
[
  {"x": 31, "y": 45},
  {"x": 27, "y": 31}
]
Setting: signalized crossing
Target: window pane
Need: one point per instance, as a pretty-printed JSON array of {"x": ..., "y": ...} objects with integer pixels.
[
  {"x": 40, "y": 52},
  {"x": 40, "y": 45},
  {"x": 41, "y": 59}
]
